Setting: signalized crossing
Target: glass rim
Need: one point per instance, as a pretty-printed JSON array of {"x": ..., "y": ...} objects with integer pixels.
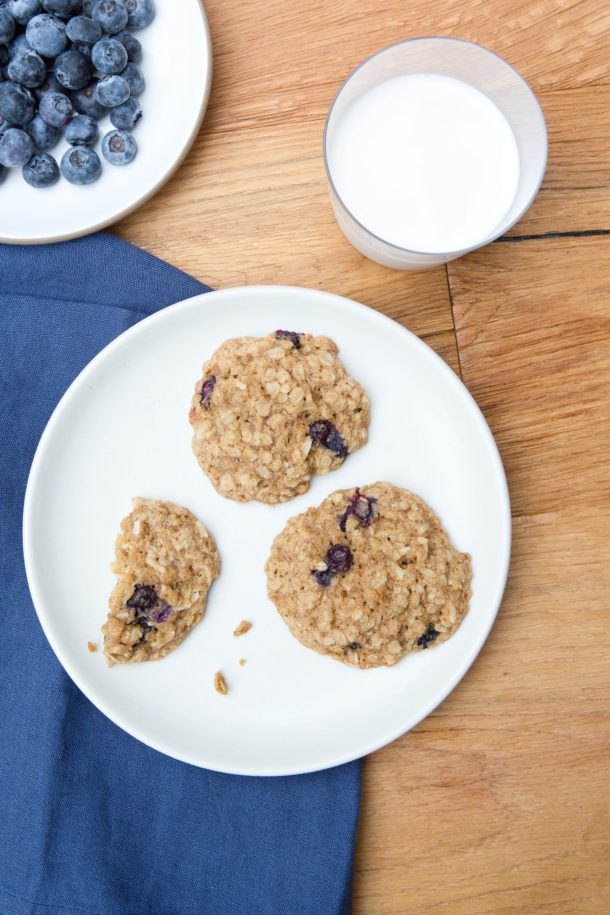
[{"x": 436, "y": 38}]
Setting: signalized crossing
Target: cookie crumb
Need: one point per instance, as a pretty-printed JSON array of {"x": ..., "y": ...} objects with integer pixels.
[
  {"x": 91, "y": 647},
  {"x": 220, "y": 684},
  {"x": 243, "y": 627},
  {"x": 242, "y": 661}
]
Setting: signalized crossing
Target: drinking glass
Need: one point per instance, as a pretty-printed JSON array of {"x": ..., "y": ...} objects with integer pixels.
[{"x": 484, "y": 70}]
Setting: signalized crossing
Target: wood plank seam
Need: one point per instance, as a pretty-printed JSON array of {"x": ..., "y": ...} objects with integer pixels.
[
  {"x": 457, "y": 344},
  {"x": 581, "y": 233}
]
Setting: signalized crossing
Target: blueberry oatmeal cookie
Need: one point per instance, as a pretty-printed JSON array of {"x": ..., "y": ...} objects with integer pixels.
[
  {"x": 270, "y": 412},
  {"x": 165, "y": 563},
  {"x": 368, "y": 576}
]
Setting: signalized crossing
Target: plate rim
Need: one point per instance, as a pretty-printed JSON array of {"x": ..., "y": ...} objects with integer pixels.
[
  {"x": 210, "y": 298},
  {"x": 127, "y": 211}
]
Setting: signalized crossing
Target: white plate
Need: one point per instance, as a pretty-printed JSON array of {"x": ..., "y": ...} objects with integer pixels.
[
  {"x": 121, "y": 430},
  {"x": 177, "y": 67}
]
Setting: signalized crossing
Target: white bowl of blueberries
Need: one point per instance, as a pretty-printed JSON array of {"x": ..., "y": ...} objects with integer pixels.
[{"x": 72, "y": 75}]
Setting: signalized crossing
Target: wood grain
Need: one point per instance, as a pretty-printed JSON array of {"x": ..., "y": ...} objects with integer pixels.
[
  {"x": 535, "y": 352},
  {"x": 575, "y": 195},
  {"x": 500, "y": 801}
]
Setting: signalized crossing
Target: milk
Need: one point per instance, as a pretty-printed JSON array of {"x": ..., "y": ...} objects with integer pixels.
[{"x": 426, "y": 162}]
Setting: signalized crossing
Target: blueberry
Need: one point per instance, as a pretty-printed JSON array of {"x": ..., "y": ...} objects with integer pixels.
[
  {"x": 50, "y": 85},
  {"x": 323, "y": 578},
  {"x": 143, "y": 599},
  {"x": 73, "y": 70},
  {"x": 81, "y": 165},
  {"x": 16, "y": 147},
  {"x": 363, "y": 508},
  {"x": 109, "y": 56},
  {"x": 429, "y": 636},
  {"x": 83, "y": 29},
  {"x": 135, "y": 79},
  {"x": 323, "y": 433},
  {"x": 131, "y": 45},
  {"x": 84, "y": 49},
  {"x": 47, "y": 35},
  {"x": 23, "y": 10},
  {"x": 336, "y": 444},
  {"x": 82, "y": 131},
  {"x": 27, "y": 68},
  {"x": 16, "y": 103},
  {"x": 207, "y": 389},
  {"x": 41, "y": 170},
  {"x": 162, "y": 614},
  {"x": 127, "y": 115},
  {"x": 112, "y": 91},
  {"x": 17, "y": 45},
  {"x": 85, "y": 101},
  {"x": 4, "y": 55},
  {"x": 119, "y": 147},
  {"x": 62, "y": 8},
  {"x": 87, "y": 7},
  {"x": 141, "y": 13},
  {"x": 294, "y": 338},
  {"x": 43, "y": 135},
  {"x": 148, "y": 607},
  {"x": 339, "y": 558},
  {"x": 111, "y": 15},
  {"x": 55, "y": 108},
  {"x": 4, "y": 124},
  {"x": 3, "y": 174},
  {"x": 7, "y": 27},
  {"x": 143, "y": 623}
]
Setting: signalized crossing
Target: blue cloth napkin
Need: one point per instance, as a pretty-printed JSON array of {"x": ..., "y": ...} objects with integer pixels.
[{"x": 91, "y": 820}]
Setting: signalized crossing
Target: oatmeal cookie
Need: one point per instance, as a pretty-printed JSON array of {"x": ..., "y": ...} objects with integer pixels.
[
  {"x": 368, "y": 576},
  {"x": 165, "y": 563},
  {"x": 270, "y": 412}
]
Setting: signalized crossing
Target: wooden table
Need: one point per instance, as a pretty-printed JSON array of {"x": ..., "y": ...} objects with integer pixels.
[{"x": 499, "y": 801}]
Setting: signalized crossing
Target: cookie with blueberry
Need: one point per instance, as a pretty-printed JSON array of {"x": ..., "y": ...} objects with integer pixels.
[
  {"x": 268, "y": 413},
  {"x": 165, "y": 563},
  {"x": 369, "y": 576}
]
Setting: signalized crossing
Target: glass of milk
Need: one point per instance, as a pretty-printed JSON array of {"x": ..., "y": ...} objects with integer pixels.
[{"x": 433, "y": 147}]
